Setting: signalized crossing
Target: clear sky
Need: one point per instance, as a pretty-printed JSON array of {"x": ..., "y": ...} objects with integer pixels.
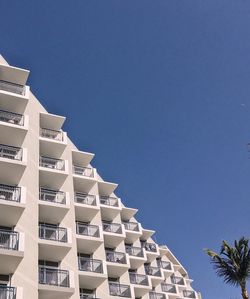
[{"x": 160, "y": 91}]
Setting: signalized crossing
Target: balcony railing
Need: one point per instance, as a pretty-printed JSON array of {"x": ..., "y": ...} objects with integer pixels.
[
  {"x": 87, "y": 230},
  {"x": 131, "y": 226},
  {"x": 164, "y": 265},
  {"x": 87, "y": 296},
  {"x": 115, "y": 228},
  {"x": 7, "y": 292},
  {"x": 116, "y": 257},
  {"x": 51, "y": 134},
  {"x": 177, "y": 280},
  {"x": 11, "y": 152},
  {"x": 12, "y": 87},
  {"x": 91, "y": 265},
  {"x": 53, "y": 233},
  {"x": 149, "y": 247},
  {"x": 168, "y": 288},
  {"x": 109, "y": 201},
  {"x": 12, "y": 118},
  {"x": 52, "y": 196},
  {"x": 86, "y": 199},
  {"x": 138, "y": 279},
  {"x": 9, "y": 240},
  {"x": 134, "y": 251},
  {"x": 84, "y": 171},
  {"x": 10, "y": 193},
  {"x": 120, "y": 290},
  {"x": 153, "y": 271},
  {"x": 55, "y": 277},
  {"x": 52, "y": 163},
  {"x": 153, "y": 295},
  {"x": 189, "y": 294}
]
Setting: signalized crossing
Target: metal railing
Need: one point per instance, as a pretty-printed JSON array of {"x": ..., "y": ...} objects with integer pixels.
[
  {"x": 12, "y": 87},
  {"x": 52, "y": 196},
  {"x": 164, "y": 265},
  {"x": 115, "y": 228},
  {"x": 7, "y": 292},
  {"x": 53, "y": 233},
  {"x": 109, "y": 201},
  {"x": 153, "y": 295},
  {"x": 86, "y": 199},
  {"x": 84, "y": 171},
  {"x": 87, "y": 230},
  {"x": 168, "y": 288},
  {"x": 120, "y": 290},
  {"x": 189, "y": 294},
  {"x": 116, "y": 257},
  {"x": 87, "y": 296},
  {"x": 11, "y": 152},
  {"x": 132, "y": 226},
  {"x": 51, "y": 134},
  {"x": 52, "y": 163},
  {"x": 149, "y": 246},
  {"x": 134, "y": 251},
  {"x": 138, "y": 279},
  {"x": 10, "y": 193},
  {"x": 177, "y": 280},
  {"x": 153, "y": 271},
  {"x": 91, "y": 265},
  {"x": 9, "y": 240},
  {"x": 52, "y": 276},
  {"x": 12, "y": 118}
]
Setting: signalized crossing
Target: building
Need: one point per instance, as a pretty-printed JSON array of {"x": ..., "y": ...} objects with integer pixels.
[{"x": 63, "y": 231}]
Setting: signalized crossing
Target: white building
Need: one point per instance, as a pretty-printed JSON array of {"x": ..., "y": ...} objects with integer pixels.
[{"x": 63, "y": 231}]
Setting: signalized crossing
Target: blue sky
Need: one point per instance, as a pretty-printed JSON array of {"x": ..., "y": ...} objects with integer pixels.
[{"x": 159, "y": 90}]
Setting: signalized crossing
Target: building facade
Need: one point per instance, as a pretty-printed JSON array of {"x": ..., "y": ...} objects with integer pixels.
[{"x": 63, "y": 231}]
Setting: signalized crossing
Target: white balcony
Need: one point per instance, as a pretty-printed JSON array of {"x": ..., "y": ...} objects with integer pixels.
[
  {"x": 83, "y": 178},
  {"x": 151, "y": 249},
  {"x": 85, "y": 206},
  {"x": 54, "y": 242},
  {"x": 53, "y": 205},
  {"x": 166, "y": 267},
  {"x": 110, "y": 207},
  {"x": 133, "y": 231},
  {"x": 128, "y": 213},
  {"x": 106, "y": 188},
  {"x": 169, "y": 288},
  {"x": 88, "y": 237},
  {"x": 178, "y": 280},
  {"x": 13, "y": 127},
  {"x": 155, "y": 274},
  {"x": 119, "y": 290},
  {"x": 140, "y": 284},
  {"x": 117, "y": 263},
  {"x": 55, "y": 283},
  {"x": 154, "y": 295},
  {"x": 92, "y": 273},
  {"x": 53, "y": 172},
  {"x": 52, "y": 142},
  {"x": 189, "y": 294},
  {"x": 137, "y": 256},
  {"x": 11, "y": 250},
  {"x": 12, "y": 204},
  {"x": 113, "y": 234},
  {"x": 13, "y": 161}
]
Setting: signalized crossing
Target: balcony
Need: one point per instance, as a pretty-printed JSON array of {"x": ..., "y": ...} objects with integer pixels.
[
  {"x": 189, "y": 294},
  {"x": 91, "y": 272},
  {"x": 141, "y": 284},
  {"x": 113, "y": 234},
  {"x": 155, "y": 275},
  {"x": 153, "y": 295},
  {"x": 151, "y": 250},
  {"x": 12, "y": 204},
  {"x": 12, "y": 87},
  {"x": 85, "y": 206},
  {"x": 52, "y": 142},
  {"x": 7, "y": 292},
  {"x": 119, "y": 290},
  {"x": 133, "y": 231},
  {"x": 55, "y": 242},
  {"x": 54, "y": 282},
  {"x": 110, "y": 207},
  {"x": 84, "y": 178},
  {"x": 177, "y": 280},
  {"x": 53, "y": 205},
  {"x": 12, "y": 163},
  {"x": 137, "y": 256},
  {"x": 89, "y": 237},
  {"x": 11, "y": 250},
  {"x": 168, "y": 288},
  {"x": 117, "y": 263},
  {"x": 166, "y": 267},
  {"x": 53, "y": 172}
]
